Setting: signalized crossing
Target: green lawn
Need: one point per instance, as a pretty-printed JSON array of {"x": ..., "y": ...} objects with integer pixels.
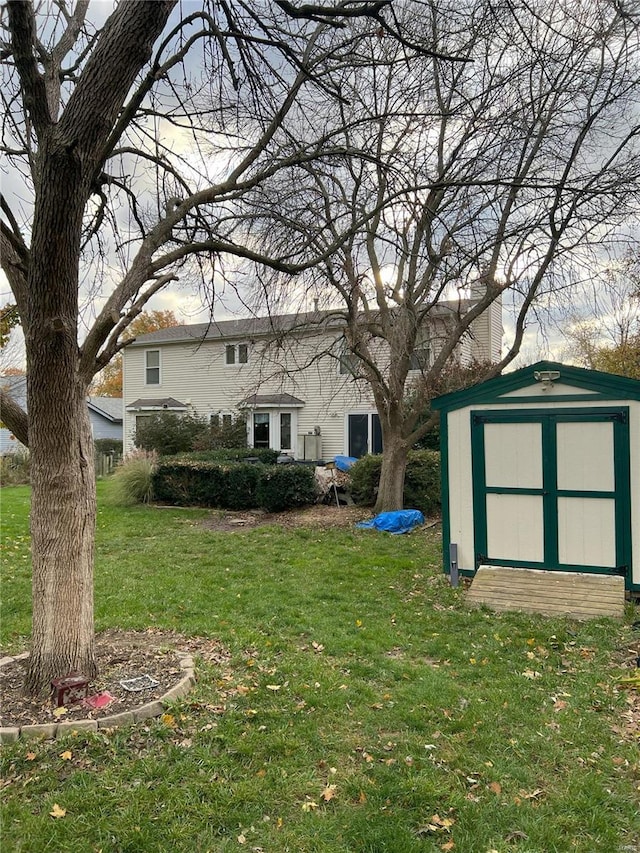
[{"x": 365, "y": 708}]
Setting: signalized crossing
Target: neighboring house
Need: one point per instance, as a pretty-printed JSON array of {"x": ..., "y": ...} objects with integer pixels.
[
  {"x": 105, "y": 414},
  {"x": 290, "y": 375}
]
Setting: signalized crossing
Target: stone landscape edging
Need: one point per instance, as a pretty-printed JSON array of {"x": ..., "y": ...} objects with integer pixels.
[{"x": 9, "y": 734}]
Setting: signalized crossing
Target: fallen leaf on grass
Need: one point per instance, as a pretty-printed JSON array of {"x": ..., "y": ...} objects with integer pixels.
[
  {"x": 309, "y": 806},
  {"x": 30, "y": 756},
  {"x": 59, "y": 712},
  {"x": 57, "y": 811},
  {"x": 329, "y": 793},
  {"x": 436, "y": 824},
  {"x": 496, "y": 787},
  {"x": 67, "y": 755},
  {"x": 530, "y": 673},
  {"x": 449, "y": 845}
]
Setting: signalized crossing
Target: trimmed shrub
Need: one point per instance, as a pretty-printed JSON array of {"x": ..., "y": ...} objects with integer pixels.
[
  {"x": 421, "y": 482},
  {"x": 233, "y": 485},
  {"x": 365, "y": 477},
  {"x": 283, "y": 487},
  {"x": 132, "y": 481},
  {"x": 235, "y": 454},
  {"x": 200, "y": 483},
  {"x": 108, "y": 445}
]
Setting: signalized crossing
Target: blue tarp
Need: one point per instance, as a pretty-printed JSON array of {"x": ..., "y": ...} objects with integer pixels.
[
  {"x": 400, "y": 521},
  {"x": 343, "y": 463}
]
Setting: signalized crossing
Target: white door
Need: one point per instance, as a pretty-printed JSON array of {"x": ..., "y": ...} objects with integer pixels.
[{"x": 551, "y": 489}]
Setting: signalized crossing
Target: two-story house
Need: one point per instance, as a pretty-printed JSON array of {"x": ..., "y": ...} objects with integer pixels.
[{"x": 290, "y": 375}]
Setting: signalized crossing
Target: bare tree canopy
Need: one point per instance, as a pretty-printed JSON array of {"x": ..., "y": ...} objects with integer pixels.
[{"x": 501, "y": 178}]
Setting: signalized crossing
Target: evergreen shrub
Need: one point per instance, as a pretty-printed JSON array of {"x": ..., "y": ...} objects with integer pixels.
[
  {"x": 283, "y": 487},
  {"x": 108, "y": 445},
  {"x": 233, "y": 485},
  {"x": 421, "y": 482},
  {"x": 230, "y": 454},
  {"x": 168, "y": 433},
  {"x": 200, "y": 483}
]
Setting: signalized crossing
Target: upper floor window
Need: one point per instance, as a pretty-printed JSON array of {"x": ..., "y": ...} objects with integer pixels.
[
  {"x": 420, "y": 358},
  {"x": 348, "y": 363},
  {"x": 152, "y": 367},
  {"x": 236, "y": 354}
]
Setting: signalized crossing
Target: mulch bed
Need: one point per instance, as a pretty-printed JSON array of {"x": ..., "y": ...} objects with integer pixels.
[{"x": 120, "y": 655}]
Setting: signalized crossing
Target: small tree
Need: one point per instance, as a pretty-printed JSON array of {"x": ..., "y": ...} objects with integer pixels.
[
  {"x": 168, "y": 433},
  {"x": 225, "y": 431}
]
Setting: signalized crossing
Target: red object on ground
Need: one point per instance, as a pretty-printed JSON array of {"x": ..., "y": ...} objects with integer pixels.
[
  {"x": 99, "y": 700},
  {"x": 69, "y": 690}
]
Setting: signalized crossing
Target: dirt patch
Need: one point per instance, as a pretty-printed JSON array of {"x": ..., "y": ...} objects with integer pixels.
[
  {"x": 120, "y": 655},
  {"x": 319, "y": 516}
]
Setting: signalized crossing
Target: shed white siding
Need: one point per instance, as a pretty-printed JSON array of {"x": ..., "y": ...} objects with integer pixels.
[{"x": 587, "y": 526}]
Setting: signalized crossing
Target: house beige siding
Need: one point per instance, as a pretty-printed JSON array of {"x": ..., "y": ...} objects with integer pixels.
[
  {"x": 301, "y": 362},
  {"x": 198, "y": 376}
]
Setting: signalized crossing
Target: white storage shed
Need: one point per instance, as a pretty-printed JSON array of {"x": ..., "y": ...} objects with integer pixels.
[{"x": 541, "y": 471}]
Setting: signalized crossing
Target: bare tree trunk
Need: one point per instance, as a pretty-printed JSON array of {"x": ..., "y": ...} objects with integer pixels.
[
  {"x": 63, "y": 505},
  {"x": 394, "y": 466},
  {"x": 63, "y": 510}
]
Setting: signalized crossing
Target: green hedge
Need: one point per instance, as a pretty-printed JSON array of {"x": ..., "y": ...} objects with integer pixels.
[
  {"x": 230, "y": 454},
  {"x": 421, "y": 482},
  {"x": 283, "y": 487},
  {"x": 233, "y": 485}
]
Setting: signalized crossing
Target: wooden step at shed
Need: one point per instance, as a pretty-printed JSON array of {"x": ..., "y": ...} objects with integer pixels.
[{"x": 575, "y": 594}]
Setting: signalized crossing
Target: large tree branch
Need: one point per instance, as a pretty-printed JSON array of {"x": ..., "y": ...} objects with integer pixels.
[
  {"x": 123, "y": 47},
  {"x": 22, "y": 25},
  {"x": 14, "y": 417}
]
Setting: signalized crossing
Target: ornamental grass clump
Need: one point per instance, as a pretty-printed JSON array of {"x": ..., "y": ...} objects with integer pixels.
[{"x": 132, "y": 482}]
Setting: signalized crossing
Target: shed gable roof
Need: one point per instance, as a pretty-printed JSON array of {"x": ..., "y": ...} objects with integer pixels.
[{"x": 585, "y": 384}]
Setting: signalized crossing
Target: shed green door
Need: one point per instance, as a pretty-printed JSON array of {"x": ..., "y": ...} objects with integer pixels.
[{"x": 551, "y": 490}]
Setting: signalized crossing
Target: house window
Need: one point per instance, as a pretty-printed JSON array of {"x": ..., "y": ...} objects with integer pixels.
[
  {"x": 419, "y": 358},
  {"x": 219, "y": 419},
  {"x": 285, "y": 431},
  {"x": 152, "y": 367},
  {"x": 348, "y": 363},
  {"x": 364, "y": 434},
  {"x": 236, "y": 354},
  {"x": 141, "y": 420}
]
